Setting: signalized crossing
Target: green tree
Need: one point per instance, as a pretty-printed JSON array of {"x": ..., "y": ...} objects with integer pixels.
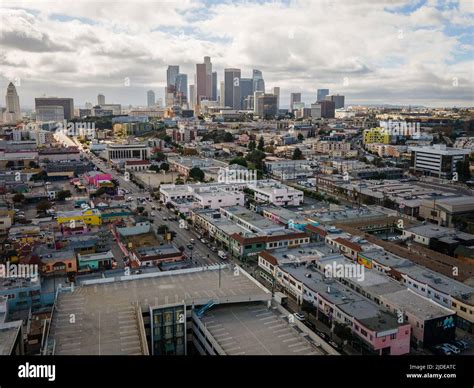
[
  {"x": 63, "y": 194},
  {"x": 261, "y": 144},
  {"x": 256, "y": 158},
  {"x": 165, "y": 166},
  {"x": 297, "y": 154},
  {"x": 18, "y": 198},
  {"x": 197, "y": 174},
  {"x": 300, "y": 137},
  {"x": 42, "y": 206},
  {"x": 251, "y": 145},
  {"x": 239, "y": 160},
  {"x": 228, "y": 137}
]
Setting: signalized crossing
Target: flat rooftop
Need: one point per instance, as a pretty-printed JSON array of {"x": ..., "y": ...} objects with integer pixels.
[
  {"x": 415, "y": 304},
  {"x": 253, "y": 329},
  {"x": 105, "y": 314},
  {"x": 8, "y": 334}
]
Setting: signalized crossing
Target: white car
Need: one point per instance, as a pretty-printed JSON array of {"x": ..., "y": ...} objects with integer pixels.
[{"x": 299, "y": 317}]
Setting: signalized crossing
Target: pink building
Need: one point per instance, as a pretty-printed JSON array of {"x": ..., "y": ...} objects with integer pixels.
[{"x": 94, "y": 178}]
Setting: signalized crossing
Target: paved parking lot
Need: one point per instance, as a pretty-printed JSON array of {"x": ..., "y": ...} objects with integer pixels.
[{"x": 253, "y": 329}]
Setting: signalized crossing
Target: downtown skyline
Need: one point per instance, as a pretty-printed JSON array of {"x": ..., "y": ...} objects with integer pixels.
[{"x": 392, "y": 52}]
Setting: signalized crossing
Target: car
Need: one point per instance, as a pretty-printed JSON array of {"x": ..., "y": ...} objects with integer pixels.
[
  {"x": 192, "y": 241},
  {"x": 165, "y": 219},
  {"x": 461, "y": 344},
  {"x": 441, "y": 351},
  {"x": 190, "y": 246},
  {"x": 299, "y": 317},
  {"x": 204, "y": 241},
  {"x": 153, "y": 214},
  {"x": 222, "y": 255},
  {"x": 213, "y": 249},
  {"x": 452, "y": 348},
  {"x": 153, "y": 207}
]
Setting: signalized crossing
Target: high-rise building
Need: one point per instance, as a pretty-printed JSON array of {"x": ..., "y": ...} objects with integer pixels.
[
  {"x": 232, "y": 88},
  {"x": 276, "y": 92},
  {"x": 322, "y": 93},
  {"x": 66, "y": 103},
  {"x": 171, "y": 73},
  {"x": 150, "y": 98},
  {"x": 266, "y": 106},
  {"x": 192, "y": 96},
  {"x": 327, "y": 109},
  {"x": 100, "y": 99},
  {"x": 316, "y": 110},
  {"x": 337, "y": 99},
  {"x": 201, "y": 93},
  {"x": 222, "y": 94},
  {"x": 254, "y": 99},
  {"x": 182, "y": 84},
  {"x": 12, "y": 112},
  {"x": 214, "y": 86},
  {"x": 258, "y": 82},
  {"x": 246, "y": 89},
  {"x": 208, "y": 63},
  {"x": 294, "y": 97}
]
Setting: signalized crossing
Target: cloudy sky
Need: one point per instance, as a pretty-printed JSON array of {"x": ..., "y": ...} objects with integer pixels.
[{"x": 418, "y": 52}]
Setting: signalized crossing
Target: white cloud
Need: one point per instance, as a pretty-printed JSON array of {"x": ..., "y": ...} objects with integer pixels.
[{"x": 387, "y": 56}]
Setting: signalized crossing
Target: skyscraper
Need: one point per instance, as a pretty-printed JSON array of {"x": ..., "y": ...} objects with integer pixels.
[
  {"x": 13, "y": 112},
  {"x": 100, "y": 99},
  {"x": 294, "y": 97},
  {"x": 171, "y": 73},
  {"x": 150, "y": 98},
  {"x": 222, "y": 94},
  {"x": 337, "y": 99},
  {"x": 246, "y": 89},
  {"x": 182, "y": 84},
  {"x": 207, "y": 62},
  {"x": 327, "y": 109},
  {"x": 258, "y": 82},
  {"x": 214, "y": 86},
  {"x": 192, "y": 96},
  {"x": 201, "y": 92},
  {"x": 322, "y": 93},
  {"x": 266, "y": 105},
  {"x": 276, "y": 92},
  {"x": 232, "y": 88}
]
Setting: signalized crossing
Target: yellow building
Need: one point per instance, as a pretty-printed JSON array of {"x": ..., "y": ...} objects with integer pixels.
[
  {"x": 376, "y": 135},
  {"x": 89, "y": 217}
]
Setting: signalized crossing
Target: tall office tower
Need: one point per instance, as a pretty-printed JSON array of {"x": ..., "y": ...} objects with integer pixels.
[
  {"x": 246, "y": 89},
  {"x": 201, "y": 92},
  {"x": 258, "y": 82},
  {"x": 182, "y": 84},
  {"x": 316, "y": 110},
  {"x": 276, "y": 92},
  {"x": 222, "y": 94},
  {"x": 232, "y": 88},
  {"x": 207, "y": 62},
  {"x": 150, "y": 98},
  {"x": 66, "y": 103},
  {"x": 294, "y": 97},
  {"x": 322, "y": 93},
  {"x": 192, "y": 96},
  {"x": 337, "y": 99},
  {"x": 12, "y": 112},
  {"x": 100, "y": 99},
  {"x": 255, "y": 98},
  {"x": 171, "y": 73},
  {"x": 327, "y": 109},
  {"x": 266, "y": 105},
  {"x": 214, "y": 86}
]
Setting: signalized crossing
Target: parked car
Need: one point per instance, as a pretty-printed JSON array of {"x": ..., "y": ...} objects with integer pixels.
[
  {"x": 192, "y": 241},
  {"x": 452, "y": 348},
  {"x": 213, "y": 249},
  {"x": 190, "y": 246},
  {"x": 461, "y": 344},
  {"x": 204, "y": 241},
  {"x": 441, "y": 351},
  {"x": 300, "y": 317}
]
